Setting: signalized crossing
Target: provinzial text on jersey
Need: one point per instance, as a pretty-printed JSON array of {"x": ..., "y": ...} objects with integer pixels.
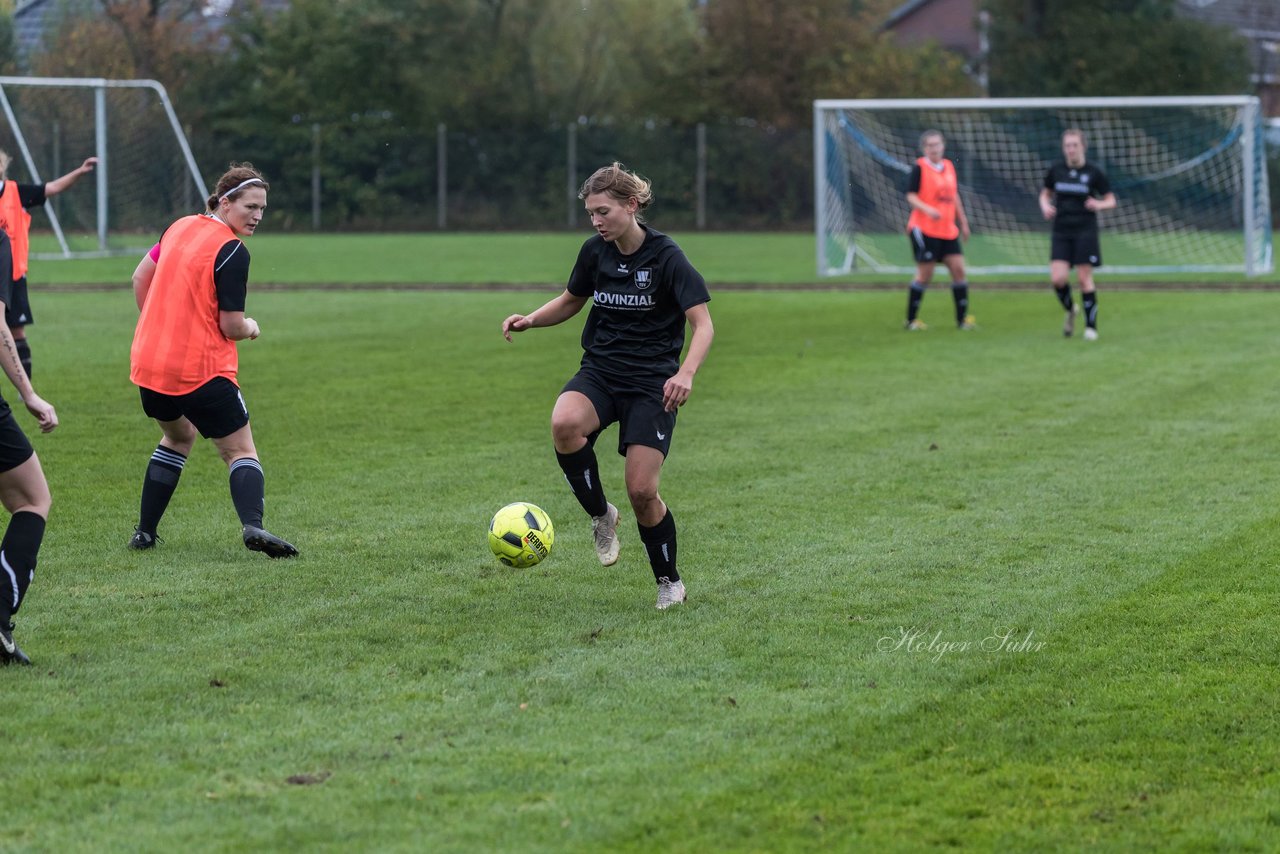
[{"x": 623, "y": 300}]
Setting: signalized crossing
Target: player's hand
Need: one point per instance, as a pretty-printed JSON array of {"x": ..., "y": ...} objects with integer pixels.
[
  {"x": 254, "y": 329},
  {"x": 515, "y": 323},
  {"x": 88, "y": 164},
  {"x": 964, "y": 231},
  {"x": 675, "y": 391},
  {"x": 43, "y": 411},
  {"x": 1049, "y": 211},
  {"x": 934, "y": 213},
  {"x": 1091, "y": 204}
]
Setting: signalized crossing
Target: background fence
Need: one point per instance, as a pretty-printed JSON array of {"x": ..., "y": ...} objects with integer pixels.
[{"x": 366, "y": 173}]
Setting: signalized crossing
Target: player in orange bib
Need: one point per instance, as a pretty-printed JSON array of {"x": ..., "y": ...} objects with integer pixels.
[
  {"x": 936, "y": 225},
  {"x": 15, "y": 202},
  {"x": 191, "y": 290}
]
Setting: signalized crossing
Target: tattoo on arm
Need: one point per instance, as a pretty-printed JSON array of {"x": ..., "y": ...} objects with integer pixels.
[{"x": 11, "y": 362}]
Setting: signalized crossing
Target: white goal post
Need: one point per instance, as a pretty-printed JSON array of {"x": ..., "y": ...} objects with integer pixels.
[
  {"x": 146, "y": 175},
  {"x": 1189, "y": 174}
]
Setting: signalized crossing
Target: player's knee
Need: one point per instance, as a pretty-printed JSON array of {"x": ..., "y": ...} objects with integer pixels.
[
  {"x": 231, "y": 453},
  {"x": 641, "y": 495},
  {"x": 566, "y": 431},
  {"x": 31, "y": 496},
  {"x": 179, "y": 435}
]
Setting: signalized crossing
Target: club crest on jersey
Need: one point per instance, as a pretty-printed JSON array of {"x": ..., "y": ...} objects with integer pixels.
[{"x": 643, "y": 278}]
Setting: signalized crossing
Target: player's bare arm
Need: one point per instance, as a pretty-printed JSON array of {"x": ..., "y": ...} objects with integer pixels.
[
  {"x": 1105, "y": 203},
  {"x": 962, "y": 219},
  {"x": 142, "y": 276},
  {"x": 1046, "y": 204},
  {"x": 677, "y": 389},
  {"x": 57, "y": 185},
  {"x": 919, "y": 204},
  {"x": 11, "y": 362},
  {"x": 236, "y": 326},
  {"x": 558, "y": 310}
]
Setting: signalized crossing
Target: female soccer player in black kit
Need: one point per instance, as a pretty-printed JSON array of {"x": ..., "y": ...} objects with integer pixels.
[
  {"x": 24, "y": 492},
  {"x": 1074, "y": 191},
  {"x": 642, "y": 289}
]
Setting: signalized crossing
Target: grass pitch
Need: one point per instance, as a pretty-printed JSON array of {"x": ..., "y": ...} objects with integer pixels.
[
  {"x": 994, "y": 591},
  {"x": 521, "y": 259}
]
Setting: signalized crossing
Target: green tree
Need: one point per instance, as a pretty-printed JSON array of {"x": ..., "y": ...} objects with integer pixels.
[
  {"x": 153, "y": 39},
  {"x": 1110, "y": 47},
  {"x": 769, "y": 59},
  {"x": 373, "y": 76},
  {"x": 8, "y": 43},
  {"x": 617, "y": 58}
]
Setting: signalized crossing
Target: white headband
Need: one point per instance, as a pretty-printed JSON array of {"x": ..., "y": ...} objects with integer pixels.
[{"x": 238, "y": 187}]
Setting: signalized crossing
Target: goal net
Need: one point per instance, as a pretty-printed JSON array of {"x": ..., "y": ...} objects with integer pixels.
[
  {"x": 1189, "y": 175},
  {"x": 146, "y": 175}
]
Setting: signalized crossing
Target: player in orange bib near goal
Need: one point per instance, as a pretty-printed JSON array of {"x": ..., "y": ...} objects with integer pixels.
[{"x": 936, "y": 226}]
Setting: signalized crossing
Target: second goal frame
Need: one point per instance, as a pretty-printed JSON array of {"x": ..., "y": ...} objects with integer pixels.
[{"x": 1189, "y": 174}]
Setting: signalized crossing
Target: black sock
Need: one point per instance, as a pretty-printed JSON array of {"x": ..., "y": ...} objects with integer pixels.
[
  {"x": 248, "y": 490},
  {"x": 913, "y": 300},
  {"x": 1063, "y": 293},
  {"x": 24, "y": 354},
  {"x": 960, "y": 293},
  {"x": 157, "y": 487},
  {"x": 660, "y": 542},
  {"x": 583, "y": 473},
  {"x": 1090, "y": 301},
  {"x": 18, "y": 552}
]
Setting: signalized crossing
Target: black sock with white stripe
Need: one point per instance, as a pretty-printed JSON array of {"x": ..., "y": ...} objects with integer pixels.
[
  {"x": 18, "y": 552},
  {"x": 583, "y": 473},
  {"x": 1063, "y": 293},
  {"x": 248, "y": 490},
  {"x": 914, "y": 296},
  {"x": 660, "y": 542},
  {"x": 1090, "y": 301},
  {"x": 157, "y": 488},
  {"x": 960, "y": 294}
]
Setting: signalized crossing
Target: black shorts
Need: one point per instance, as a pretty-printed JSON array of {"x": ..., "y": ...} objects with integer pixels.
[
  {"x": 15, "y": 449},
  {"x": 17, "y": 312},
  {"x": 1077, "y": 249},
  {"x": 216, "y": 408},
  {"x": 931, "y": 249},
  {"x": 638, "y": 410}
]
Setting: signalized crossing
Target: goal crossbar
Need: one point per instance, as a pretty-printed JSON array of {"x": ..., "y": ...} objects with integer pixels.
[{"x": 101, "y": 119}]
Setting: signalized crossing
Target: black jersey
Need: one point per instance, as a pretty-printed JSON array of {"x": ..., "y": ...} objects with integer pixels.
[
  {"x": 6, "y": 269},
  {"x": 31, "y": 195},
  {"x": 1070, "y": 187},
  {"x": 635, "y": 329},
  {"x": 231, "y": 275}
]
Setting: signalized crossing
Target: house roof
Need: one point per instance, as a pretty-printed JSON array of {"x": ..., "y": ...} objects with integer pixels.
[
  {"x": 1253, "y": 18},
  {"x": 32, "y": 18},
  {"x": 904, "y": 11}
]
